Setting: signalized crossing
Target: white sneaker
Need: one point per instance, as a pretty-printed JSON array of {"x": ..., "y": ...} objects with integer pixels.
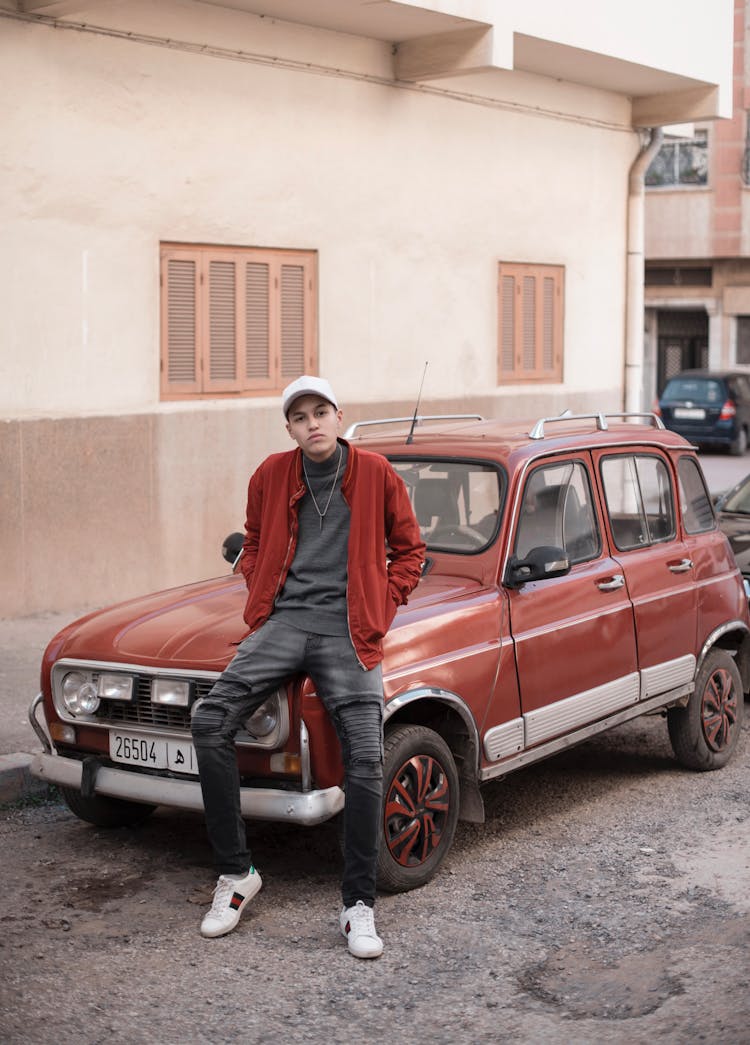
[
  {"x": 230, "y": 897},
  {"x": 358, "y": 925}
]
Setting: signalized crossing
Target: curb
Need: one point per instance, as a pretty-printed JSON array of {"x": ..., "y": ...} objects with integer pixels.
[{"x": 16, "y": 782}]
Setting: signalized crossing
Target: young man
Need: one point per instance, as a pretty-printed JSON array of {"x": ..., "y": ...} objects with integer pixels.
[{"x": 321, "y": 596}]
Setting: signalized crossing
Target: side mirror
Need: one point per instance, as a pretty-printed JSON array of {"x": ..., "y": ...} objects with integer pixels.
[
  {"x": 540, "y": 564},
  {"x": 231, "y": 549}
]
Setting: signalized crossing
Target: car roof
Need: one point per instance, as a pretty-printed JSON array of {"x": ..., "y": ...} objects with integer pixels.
[
  {"x": 708, "y": 374},
  {"x": 497, "y": 439}
]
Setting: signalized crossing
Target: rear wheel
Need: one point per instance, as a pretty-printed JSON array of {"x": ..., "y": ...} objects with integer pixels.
[
  {"x": 705, "y": 732},
  {"x": 105, "y": 812},
  {"x": 420, "y": 808}
]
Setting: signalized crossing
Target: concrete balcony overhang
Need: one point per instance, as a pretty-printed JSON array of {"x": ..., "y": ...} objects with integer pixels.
[{"x": 669, "y": 78}]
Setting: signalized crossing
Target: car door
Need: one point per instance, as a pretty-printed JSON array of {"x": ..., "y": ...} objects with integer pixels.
[
  {"x": 638, "y": 487},
  {"x": 574, "y": 635}
]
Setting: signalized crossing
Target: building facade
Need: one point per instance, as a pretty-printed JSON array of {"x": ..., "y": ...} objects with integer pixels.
[
  {"x": 697, "y": 242},
  {"x": 202, "y": 200}
]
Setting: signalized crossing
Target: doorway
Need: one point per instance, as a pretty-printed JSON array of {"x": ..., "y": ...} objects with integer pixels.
[{"x": 682, "y": 343}]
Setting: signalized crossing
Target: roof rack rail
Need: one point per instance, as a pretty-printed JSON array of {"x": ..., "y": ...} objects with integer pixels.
[
  {"x": 419, "y": 420},
  {"x": 537, "y": 432}
]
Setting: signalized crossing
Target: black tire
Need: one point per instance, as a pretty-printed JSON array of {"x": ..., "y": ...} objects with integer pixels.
[
  {"x": 738, "y": 447},
  {"x": 420, "y": 807},
  {"x": 705, "y": 733},
  {"x": 105, "y": 812}
]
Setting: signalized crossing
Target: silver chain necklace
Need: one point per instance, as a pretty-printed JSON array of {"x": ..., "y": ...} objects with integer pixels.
[{"x": 333, "y": 487}]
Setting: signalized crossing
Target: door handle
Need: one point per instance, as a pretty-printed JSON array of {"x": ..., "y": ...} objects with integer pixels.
[
  {"x": 616, "y": 582},
  {"x": 682, "y": 566}
]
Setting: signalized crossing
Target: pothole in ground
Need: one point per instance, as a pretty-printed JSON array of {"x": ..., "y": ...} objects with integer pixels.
[{"x": 572, "y": 980}]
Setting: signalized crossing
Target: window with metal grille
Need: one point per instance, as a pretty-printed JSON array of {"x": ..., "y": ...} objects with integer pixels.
[
  {"x": 530, "y": 327},
  {"x": 236, "y": 321},
  {"x": 683, "y": 161}
]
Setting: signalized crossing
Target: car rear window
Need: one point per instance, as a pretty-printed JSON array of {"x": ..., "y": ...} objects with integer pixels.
[{"x": 708, "y": 391}]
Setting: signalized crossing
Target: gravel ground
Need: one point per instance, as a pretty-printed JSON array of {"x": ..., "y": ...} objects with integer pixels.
[{"x": 605, "y": 900}]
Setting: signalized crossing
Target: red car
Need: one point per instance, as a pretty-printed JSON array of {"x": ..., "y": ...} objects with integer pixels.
[{"x": 575, "y": 578}]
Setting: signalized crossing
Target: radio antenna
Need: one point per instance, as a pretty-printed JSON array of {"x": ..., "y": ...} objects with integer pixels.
[{"x": 410, "y": 436}]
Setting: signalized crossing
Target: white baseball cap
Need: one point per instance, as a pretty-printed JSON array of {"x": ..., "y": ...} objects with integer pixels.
[{"x": 306, "y": 386}]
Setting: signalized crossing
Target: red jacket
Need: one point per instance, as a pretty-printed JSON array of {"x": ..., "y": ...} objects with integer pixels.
[{"x": 380, "y": 513}]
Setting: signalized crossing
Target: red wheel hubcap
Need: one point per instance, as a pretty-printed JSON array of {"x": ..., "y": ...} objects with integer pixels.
[
  {"x": 416, "y": 808},
  {"x": 719, "y": 709}
]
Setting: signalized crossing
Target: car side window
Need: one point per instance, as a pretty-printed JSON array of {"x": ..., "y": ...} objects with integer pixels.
[
  {"x": 697, "y": 511},
  {"x": 639, "y": 498},
  {"x": 557, "y": 511}
]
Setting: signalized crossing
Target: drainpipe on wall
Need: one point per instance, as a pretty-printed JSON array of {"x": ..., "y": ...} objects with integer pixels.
[{"x": 634, "y": 294}]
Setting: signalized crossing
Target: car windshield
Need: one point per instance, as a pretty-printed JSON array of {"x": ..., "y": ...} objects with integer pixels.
[
  {"x": 707, "y": 391},
  {"x": 457, "y": 503}
]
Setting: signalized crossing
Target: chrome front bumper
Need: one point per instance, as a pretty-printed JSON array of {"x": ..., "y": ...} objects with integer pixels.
[{"x": 300, "y": 807}]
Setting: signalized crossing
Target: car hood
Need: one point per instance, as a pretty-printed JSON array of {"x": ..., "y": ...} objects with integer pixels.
[{"x": 199, "y": 626}]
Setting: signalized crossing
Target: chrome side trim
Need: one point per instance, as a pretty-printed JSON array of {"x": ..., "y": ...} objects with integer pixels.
[
  {"x": 564, "y": 715},
  {"x": 36, "y": 725},
  {"x": 668, "y": 675},
  {"x": 504, "y": 740},
  {"x": 527, "y": 758},
  {"x": 308, "y": 808},
  {"x": 444, "y": 696}
]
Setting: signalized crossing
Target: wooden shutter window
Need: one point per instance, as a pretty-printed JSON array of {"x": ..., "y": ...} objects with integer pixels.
[
  {"x": 257, "y": 343},
  {"x": 530, "y": 323},
  {"x": 222, "y": 325},
  {"x": 292, "y": 320},
  {"x": 236, "y": 320}
]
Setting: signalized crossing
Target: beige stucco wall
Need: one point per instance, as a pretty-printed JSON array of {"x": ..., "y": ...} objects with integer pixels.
[{"x": 410, "y": 197}]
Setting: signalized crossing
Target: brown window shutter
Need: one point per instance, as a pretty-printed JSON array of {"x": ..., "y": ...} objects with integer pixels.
[
  {"x": 507, "y": 323},
  {"x": 257, "y": 322},
  {"x": 180, "y": 364},
  {"x": 220, "y": 368},
  {"x": 236, "y": 320},
  {"x": 292, "y": 317},
  {"x": 530, "y": 323}
]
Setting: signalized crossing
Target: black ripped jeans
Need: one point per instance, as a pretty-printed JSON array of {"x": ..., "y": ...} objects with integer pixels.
[{"x": 353, "y": 698}]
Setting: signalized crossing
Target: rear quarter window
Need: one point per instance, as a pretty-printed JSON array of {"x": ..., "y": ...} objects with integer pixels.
[{"x": 697, "y": 510}]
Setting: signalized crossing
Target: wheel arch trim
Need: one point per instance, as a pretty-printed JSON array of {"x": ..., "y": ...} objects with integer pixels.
[{"x": 440, "y": 696}]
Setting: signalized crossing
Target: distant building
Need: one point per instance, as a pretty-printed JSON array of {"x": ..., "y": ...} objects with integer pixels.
[
  {"x": 201, "y": 200},
  {"x": 697, "y": 292}
]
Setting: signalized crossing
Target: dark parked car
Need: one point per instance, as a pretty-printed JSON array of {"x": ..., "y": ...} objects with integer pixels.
[
  {"x": 733, "y": 513},
  {"x": 710, "y": 408}
]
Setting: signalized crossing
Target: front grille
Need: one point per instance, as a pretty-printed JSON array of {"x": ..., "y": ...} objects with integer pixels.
[{"x": 141, "y": 712}]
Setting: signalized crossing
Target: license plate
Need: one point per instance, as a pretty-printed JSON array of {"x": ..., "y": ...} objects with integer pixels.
[
  {"x": 137, "y": 749},
  {"x": 690, "y": 413}
]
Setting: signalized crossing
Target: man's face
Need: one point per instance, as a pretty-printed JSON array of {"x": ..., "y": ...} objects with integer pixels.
[{"x": 313, "y": 423}]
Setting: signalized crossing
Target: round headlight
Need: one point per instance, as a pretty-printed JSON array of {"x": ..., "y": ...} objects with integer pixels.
[
  {"x": 264, "y": 720},
  {"x": 79, "y": 694}
]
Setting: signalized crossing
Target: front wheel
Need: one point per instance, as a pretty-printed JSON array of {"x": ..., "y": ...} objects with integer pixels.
[
  {"x": 105, "y": 812},
  {"x": 705, "y": 732},
  {"x": 420, "y": 807}
]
